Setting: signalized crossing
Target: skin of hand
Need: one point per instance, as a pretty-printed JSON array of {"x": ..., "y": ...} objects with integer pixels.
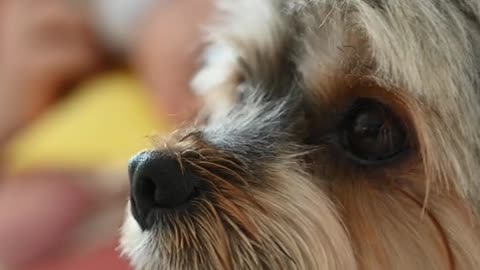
[
  {"x": 43, "y": 46},
  {"x": 166, "y": 53},
  {"x": 36, "y": 216}
]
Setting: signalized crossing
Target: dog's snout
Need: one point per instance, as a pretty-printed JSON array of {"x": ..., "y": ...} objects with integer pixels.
[{"x": 158, "y": 181}]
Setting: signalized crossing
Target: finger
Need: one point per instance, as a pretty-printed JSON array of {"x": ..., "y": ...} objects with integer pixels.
[
  {"x": 39, "y": 10},
  {"x": 56, "y": 26},
  {"x": 35, "y": 216},
  {"x": 153, "y": 56},
  {"x": 65, "y": 64}
]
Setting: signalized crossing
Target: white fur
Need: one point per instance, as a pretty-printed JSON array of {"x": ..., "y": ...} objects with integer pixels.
[{"x": 118, "y": 20}]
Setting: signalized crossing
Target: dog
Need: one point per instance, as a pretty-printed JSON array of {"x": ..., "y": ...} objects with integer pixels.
[{"x": 340, "y": 134}]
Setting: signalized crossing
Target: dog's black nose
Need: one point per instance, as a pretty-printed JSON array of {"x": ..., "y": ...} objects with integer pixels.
[{"x": 157, "y": 182}]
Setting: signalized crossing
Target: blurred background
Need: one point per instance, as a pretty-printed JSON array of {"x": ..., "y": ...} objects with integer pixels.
[{"x": 84, "y": 84}]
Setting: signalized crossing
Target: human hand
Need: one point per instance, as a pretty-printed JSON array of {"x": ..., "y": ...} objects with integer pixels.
[
  {"x": 36, "y": 216},
  {"x": 43, "y": 46},
  {"x": 165, "y": 52}
]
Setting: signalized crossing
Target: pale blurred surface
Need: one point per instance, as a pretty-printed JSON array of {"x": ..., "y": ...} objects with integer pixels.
[
  {"x": 70, "y": 120},
  {"x": 107, "y": 119}
]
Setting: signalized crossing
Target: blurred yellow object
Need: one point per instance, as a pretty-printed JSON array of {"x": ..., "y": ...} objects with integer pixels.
[{"x": 102, "y": 124}]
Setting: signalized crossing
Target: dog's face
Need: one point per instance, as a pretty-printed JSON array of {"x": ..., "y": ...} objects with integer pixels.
[{"x": 345, "y": 136}]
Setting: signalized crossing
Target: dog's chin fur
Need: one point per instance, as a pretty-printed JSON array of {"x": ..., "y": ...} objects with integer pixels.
[{"x": 277, "y": 196}]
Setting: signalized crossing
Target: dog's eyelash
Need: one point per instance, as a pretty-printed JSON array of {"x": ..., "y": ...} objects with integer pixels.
[{"x": 387, "y": 138}]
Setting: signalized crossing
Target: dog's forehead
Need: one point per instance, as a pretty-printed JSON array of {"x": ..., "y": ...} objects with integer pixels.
[{"x": 425, "y": 47}]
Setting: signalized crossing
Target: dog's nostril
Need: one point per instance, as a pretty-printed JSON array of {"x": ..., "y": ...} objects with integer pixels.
[
  {"x": 146, "y": 189},
  {"x": 158, "y": 181}
]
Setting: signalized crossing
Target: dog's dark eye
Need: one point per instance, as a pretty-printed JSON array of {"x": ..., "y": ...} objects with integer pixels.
[{"x": 371, "y": 133}]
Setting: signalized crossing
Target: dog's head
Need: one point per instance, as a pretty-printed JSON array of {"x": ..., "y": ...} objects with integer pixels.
[{"x": 343, "y": 135}]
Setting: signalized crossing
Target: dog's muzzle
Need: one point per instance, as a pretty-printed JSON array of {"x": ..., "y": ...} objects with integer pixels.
[{"x": 158, "y": 183}]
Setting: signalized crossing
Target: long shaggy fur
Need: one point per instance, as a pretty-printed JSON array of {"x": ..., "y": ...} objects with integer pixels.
[{"x": 283, "y": 68}]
